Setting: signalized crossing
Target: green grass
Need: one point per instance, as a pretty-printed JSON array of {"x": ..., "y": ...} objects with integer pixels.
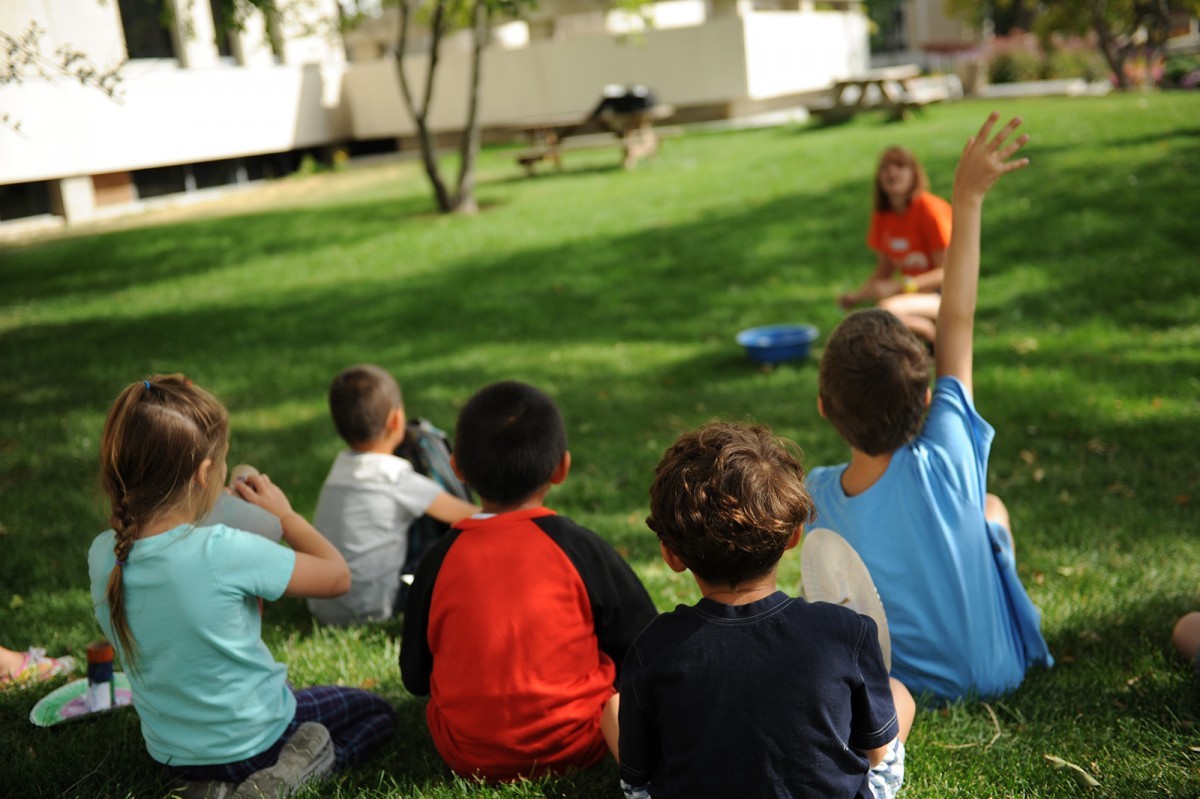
[{"x": 620, "y": 293}]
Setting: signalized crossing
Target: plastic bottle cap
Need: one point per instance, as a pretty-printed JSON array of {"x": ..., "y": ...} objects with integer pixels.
[{"x": 100, "y": 652}]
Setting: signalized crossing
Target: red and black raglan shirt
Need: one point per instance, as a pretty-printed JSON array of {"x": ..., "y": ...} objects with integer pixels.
[{"x": 515, "y": 627}]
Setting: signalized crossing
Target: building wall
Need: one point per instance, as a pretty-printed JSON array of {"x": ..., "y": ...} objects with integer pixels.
[
  {"x": 728, "y": 60},
  {"x": 196, "y": 107}
]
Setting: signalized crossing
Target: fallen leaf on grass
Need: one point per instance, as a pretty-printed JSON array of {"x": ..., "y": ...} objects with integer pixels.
[
  {"x": 1025, "y": 345},
  {"x": 1080, "y": 775},
  {"x": 1182, "y": 499}
]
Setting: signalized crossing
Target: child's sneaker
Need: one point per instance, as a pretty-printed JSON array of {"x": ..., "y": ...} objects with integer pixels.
[
  {"x": 203, "y": 790},
  {"x": 36, "y": 667},
  {"x": 307, "y": 756}
]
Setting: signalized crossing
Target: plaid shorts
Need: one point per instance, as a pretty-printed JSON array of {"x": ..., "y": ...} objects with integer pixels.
[
  {"x": 358, "y": 722},
  {"x": 888, "y": 776}
]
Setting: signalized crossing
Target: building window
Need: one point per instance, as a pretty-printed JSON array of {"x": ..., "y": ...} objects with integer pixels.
[
  {"x": 159, "y": 181},
  {"x": 19, "y": 200},
  {"x": 147, "y": 26}
]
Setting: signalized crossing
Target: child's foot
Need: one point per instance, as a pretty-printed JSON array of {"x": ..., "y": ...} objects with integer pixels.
[
  {"x": 307, "y": 756},
  {"x": 36, "y": 667}
]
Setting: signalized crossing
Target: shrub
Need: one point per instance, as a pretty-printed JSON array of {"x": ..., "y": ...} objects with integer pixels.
[
  {"x": 1014, "y": 66},
  {"x": 1182, "y": 70},
  {"x": 1076, "y": 62}
]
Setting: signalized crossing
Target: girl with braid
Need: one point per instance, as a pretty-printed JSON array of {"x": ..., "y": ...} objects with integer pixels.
[{"x": 179, "y": 600}]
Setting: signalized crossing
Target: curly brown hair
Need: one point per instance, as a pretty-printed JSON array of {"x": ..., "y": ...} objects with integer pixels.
[
  {"x": 727, "y": 498},
  {"x": 873, "y": 381}
]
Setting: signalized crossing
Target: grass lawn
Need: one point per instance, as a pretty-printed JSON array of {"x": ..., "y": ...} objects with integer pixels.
[{"x": 620, "y": 294}]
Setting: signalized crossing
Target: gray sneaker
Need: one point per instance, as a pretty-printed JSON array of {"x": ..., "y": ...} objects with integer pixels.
[
  {"x": 187, "y": 789},
  {"x": 307, "y": 756}
]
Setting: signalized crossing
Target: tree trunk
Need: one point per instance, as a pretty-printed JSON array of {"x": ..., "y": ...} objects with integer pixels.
[
  {"x": 420, "y": 114},
  {"x": 469, "y": 146},
  {"x": 1113, "y": 53}
]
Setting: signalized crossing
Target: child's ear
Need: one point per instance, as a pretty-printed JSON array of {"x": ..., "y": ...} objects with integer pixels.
[
  {"x": 202, "y": 472},
  {"x": 563, "y": 468},
  {"x": 673, "y": 561},
  {"x": 396, "y": 420},
  {"x": 795, "y": 539},
  {"x": 454, "y": 467},
  {"x": 928, "y": 397},
  {"x": 821, "y": 407}
]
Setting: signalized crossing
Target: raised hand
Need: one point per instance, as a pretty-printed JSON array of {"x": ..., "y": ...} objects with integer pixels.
[{"x": 983, "y": 162}]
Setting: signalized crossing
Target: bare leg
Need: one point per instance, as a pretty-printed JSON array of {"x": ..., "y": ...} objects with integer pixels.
[
  {"x": 994, "y": 510},
  {"x": 609, "y": 727},
  {"x": 906, "y": 708},
  {"x": 918, "y": 312},
  {"x": 1187, "y": 635}
]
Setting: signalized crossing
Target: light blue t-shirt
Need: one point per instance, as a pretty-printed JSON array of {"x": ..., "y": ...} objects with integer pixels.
[
  {"x": 206, "y": 688},
  {"x": 961, "y": 623}
]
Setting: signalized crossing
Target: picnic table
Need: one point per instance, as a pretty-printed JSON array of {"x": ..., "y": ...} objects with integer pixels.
[
  {"x": 632, "y": 132},
  {"x": 895, "y": 90}
]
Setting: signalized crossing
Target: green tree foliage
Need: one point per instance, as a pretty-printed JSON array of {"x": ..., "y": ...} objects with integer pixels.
[{"x": 1123, "y": 29}]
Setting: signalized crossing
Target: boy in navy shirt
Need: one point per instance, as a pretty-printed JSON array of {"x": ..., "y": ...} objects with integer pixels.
[{"x": 751, "y": 692}]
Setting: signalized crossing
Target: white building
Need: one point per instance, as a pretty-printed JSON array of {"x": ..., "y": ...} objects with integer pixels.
[{"x": 197, "y": 108}]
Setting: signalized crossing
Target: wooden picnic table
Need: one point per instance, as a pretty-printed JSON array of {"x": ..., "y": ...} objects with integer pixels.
[
  {"x": 889, "y": 88},
  {"x": 632, "y": 132}
]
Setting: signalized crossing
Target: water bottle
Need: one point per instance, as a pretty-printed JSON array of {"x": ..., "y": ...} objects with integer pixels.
[{"x": 99, "y": 676}]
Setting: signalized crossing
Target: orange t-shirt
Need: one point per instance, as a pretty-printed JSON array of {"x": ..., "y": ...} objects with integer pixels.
[{"x": 909, "y": 239}]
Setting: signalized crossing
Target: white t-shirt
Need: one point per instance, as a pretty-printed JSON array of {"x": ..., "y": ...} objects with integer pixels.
[{"x": 366, "y": 506}]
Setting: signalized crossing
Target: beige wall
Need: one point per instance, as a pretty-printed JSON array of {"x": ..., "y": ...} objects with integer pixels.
[
  {"x": 729, "y": 59},
  {"x": 166, "y": 116},
  {"x": 789, "y": 52},
  {"x": 927, "y": 23}
]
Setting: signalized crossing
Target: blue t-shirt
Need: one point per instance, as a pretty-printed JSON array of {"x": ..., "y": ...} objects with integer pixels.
[
  {"x": 768, "y": 699},
  {"x": 961, "y": 623},
  {"x": 206, "y": 688}
]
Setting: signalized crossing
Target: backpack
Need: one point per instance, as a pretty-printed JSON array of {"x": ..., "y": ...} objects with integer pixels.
[{"x": 428, "y": 449}]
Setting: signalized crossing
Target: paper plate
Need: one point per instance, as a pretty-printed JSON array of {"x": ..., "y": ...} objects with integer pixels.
[
  {"x": 69, "y": 701},
  {"x": 831, "y": 571}
]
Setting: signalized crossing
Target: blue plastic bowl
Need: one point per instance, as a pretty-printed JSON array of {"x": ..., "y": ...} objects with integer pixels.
[{"x": 777, "y": 343}]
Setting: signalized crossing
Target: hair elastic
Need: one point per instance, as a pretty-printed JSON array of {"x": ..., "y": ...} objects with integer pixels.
[
  {"x": 147, "y": 384},
  {"x": 120, "y": 563}
]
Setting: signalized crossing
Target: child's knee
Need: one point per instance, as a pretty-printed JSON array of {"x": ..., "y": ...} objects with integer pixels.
[
  {"x": 994, "y": 510},
  {"x": 1186, "y": 635}
]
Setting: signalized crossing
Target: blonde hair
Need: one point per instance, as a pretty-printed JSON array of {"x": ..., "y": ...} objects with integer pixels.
[{"x": 156, "y": 436}]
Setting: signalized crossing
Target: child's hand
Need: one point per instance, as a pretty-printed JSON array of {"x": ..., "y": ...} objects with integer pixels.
[
  {"x": 258, "y": 489},
  {"x": 983, "y": 162}
]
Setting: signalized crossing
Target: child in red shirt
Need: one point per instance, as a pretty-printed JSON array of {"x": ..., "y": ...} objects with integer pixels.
[{"x": 518, "y": 619}]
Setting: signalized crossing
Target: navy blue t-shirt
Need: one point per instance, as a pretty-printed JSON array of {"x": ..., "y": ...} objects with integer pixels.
[{"x": 768, "y": 699}]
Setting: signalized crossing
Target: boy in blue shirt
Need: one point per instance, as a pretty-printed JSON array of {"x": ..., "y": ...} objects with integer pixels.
[
  {"x": 913, "y": 500},
  {"x": 751, "y": 692}
]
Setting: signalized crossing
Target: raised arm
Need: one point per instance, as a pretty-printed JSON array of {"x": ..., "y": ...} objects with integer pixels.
[
  {"x": 320, "y": 570},
  {"x": 983, "y": 162}
]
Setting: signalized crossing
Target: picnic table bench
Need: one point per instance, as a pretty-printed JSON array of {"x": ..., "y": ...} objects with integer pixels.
[
  {"x": 631, "y": 132},
  {"x": 896, "y": 90}
]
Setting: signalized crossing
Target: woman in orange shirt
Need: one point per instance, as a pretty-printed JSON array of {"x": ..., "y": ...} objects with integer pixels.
[{"x": 910, "y": 229}]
